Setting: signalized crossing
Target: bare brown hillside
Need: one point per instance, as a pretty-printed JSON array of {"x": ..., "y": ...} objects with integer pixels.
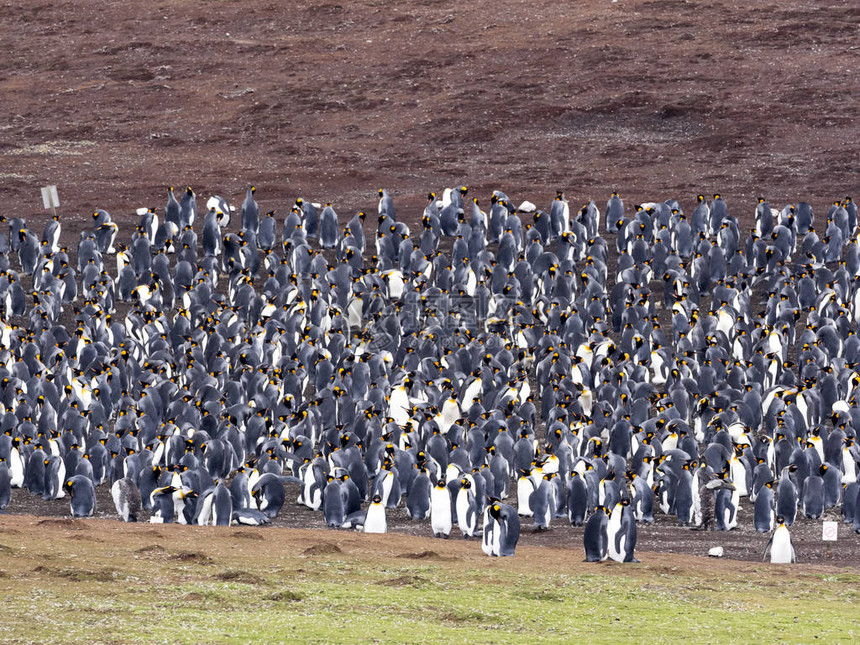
[{"x": 114, "y": 101}]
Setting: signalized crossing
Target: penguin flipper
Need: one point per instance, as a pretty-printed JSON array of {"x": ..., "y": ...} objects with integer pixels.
[{"x": 767, "y": 547}]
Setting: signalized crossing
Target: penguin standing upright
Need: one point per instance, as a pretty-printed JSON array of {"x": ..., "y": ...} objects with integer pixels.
[
  {"x": 418, "y": 496},
  {"x": 171, "y": 211},
  {"x": 621, "y": 533},
  {"x": 781, "y": 548},
  {"x": 222, "y": 505},
  {"x": 763, "y": 513},
  {"x": 187, "y": 209},
  {"x": 595, "y": 538},
  {"x": 786, "y": 496},
  {"x": 541, "y": 504},
  {"x": 55, "y": 475},
  {"x": 375, "y": 520},
  {"x": 5, "y": 486},
  {"x": 126, "y": 498},
  {"x": 440, "y": 509},
  {"x": 333, "y": 503},
  {"x": 577, "y": 499},
  {"x": 211, "y": 237},
  {"x": 614, "y": 212},
  {"x": 250, "y": 216},
  {"x": 328, "y": 227},
  {"x": 812, "y": 502},
  {"x": 266, "y": 232},
  {"x": 467, "y": 509}
]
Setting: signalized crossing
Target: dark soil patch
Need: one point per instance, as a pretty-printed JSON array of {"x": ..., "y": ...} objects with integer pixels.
[
  {"x": 402, "y": 581},
  {"x": 424, "y": 555},
  {"x": 74, "y": 525},
  {"x": 324, "y": 548},
  {"x": 152, "y": 550},
  {"x": 192, "y": 556},
  {"x": 233, "y": 575},
  {"x": 78, "y": 575}
]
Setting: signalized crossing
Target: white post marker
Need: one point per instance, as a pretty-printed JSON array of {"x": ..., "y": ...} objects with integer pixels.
[
  {"x": 50, "y": 199},
  {"x": 829, "y": 531}
]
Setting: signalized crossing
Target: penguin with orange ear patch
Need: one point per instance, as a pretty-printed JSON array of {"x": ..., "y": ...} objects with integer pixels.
[
  {"x": 82, "y": 495},
  {"x": 508, "y": 522}
]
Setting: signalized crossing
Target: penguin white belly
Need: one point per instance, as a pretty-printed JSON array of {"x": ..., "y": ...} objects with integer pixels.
[
  {"x": 375, "y": 521},
  {"x": 16, "y": 469},
  {"x": 781, "y": 550},
  {"x": 525, "y": 487},
  {"x": 697, "y": 509},
  {"x": 849, "y": 467},
  {"x": 205, "y": 515},
  {"x": 119, "y": 501},
  {"x": 387, "y": 484},
  {"x": 731, "y": 514},
  {"x": 440, "y": 511},
  {"x": 616, "y": 551},
  {"x": 739, "y": 477}
]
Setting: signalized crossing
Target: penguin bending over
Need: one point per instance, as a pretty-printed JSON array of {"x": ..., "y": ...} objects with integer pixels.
[
  {"x": 503, "y": 524},
  {"x": 82, "y": 495}
]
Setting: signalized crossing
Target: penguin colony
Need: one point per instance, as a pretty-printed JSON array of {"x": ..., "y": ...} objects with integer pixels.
[{"x": 518, "y": 366}]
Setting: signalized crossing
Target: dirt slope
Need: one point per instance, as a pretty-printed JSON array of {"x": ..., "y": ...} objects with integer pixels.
[{"x": 114, "y": 101}]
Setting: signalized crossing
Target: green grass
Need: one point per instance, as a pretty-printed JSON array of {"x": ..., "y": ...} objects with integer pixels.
[{"x": 80, "y": 592}]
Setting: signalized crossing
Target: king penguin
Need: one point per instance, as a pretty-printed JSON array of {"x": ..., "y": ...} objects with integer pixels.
[
  {"x": 82, "y": 495},
  {"x": 250, "y": 216},
  {"x": 595, "y": 538},
  {"x": 55, "y": 475},
  {"x": 763, "y": 513},
  {"x": 781, "y": 548},
  {"x": 375, "y": 520},
  {"x": 328, "y": 227},
  {"x": 505, "y": 527},
  {"x": 577, "y": 499},
  {"x": 5, "y": 486},
  {"x": 467, "y": 509},
  {"x": 418, "y": 496},
  {"x": 440, "y": 509},
  {"x": 126, "y": 498},
  {"x": 621, "y": 532}
]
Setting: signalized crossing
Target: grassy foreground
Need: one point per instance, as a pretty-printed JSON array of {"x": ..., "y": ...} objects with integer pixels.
[{"x": 102, "y": 581}]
